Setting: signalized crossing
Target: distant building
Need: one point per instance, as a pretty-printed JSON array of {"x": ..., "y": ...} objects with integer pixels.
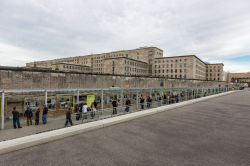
[
  {"x": 144, "y": 61},
  {"x": 239, "y": 77}
]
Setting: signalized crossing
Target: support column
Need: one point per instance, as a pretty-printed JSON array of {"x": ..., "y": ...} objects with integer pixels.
[{"x": 2, "y": 110}]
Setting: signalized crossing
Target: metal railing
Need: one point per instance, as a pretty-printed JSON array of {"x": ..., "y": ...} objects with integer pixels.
[{"x": 159, "y": 97}]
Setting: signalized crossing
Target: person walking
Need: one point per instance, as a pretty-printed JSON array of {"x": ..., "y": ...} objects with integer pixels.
[
  {"x": 127, "y": 103},
  {"x": 95, "y": 104},
  {"x": 45, "y": 113},
  {"x": 114, "y": 104},
  {"x": 84, "y": 111},
  {"x": 149, "y": 102},
  {"x": 159, "y": 100},
  {"x": 164, "y": 99},
  {"x": 142, "y": 100},
  {"x": 16, "y": 121},
  {"x": 37, "y": 114},
  {"x": 68, "y": 118},
  {"x": 93, "y": 109},
  {"x": 28, "y": 113}
]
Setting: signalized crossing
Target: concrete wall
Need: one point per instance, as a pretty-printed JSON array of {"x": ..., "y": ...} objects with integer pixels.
[{"x": 23, "y": 78}]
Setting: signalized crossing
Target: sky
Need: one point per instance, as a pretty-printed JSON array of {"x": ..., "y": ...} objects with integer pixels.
[{"x": 216, "y": 31}]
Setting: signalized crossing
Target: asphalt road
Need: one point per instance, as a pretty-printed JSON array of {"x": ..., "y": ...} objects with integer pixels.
[{"x": 211, "y": 133}]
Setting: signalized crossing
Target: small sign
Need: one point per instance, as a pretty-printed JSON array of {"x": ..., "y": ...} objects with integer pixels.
[{"x": 90, "y": 100}]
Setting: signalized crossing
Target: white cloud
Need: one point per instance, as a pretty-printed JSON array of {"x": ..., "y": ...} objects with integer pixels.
[
  {"x": 211, "y": 29},
  {"x": 17, "y": 56}
]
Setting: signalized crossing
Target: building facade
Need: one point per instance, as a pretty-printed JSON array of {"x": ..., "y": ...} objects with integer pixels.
[
  {"x": 96, "y": 61},
  {"x": 125, "y": 66},
  {"x": 215, "y": 71},
  {"x": 188, "y": 67},
  {"x": 144, "y": 61}
]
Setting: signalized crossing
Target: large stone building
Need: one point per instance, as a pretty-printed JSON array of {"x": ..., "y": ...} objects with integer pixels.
[
  {"x": 144, "y": 61},
  {"x": 96, "y": 61}
]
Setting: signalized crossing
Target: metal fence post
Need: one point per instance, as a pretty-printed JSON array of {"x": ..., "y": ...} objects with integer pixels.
[
  {"x": 121, "y": 98},
  {"x": 137, "y": 98},
  {"x": 2, "y": 110},
  {"x": 77, "y": 97},
  {"x": 102, "y": 100},
  {"x": 186, "y": 94},
  {"x": 161, "y": 96},
  {"x": 46, "y": 98}
]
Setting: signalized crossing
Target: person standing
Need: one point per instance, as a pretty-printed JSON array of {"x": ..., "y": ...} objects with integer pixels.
[
  {"x": 93, "y": 109},
  {"x": 28, "y": 113},
  {"x": 127, "y": 103},
  {"x": 114, "y": 104},
  {"x": 45, "y": 113},
  {"x": 95, "y": 104},
  {"x": 164, "y": 99},
  {"x": 149, "y": 102},
  {"x": 68, "y": 118},
  {"x": 142, "y": 102},
  {"x": 37, "y": 114},
  {"x": 16, "y": 115},
  {"x": 84, "y": 111},
  {"x": 159, "y": 100}
]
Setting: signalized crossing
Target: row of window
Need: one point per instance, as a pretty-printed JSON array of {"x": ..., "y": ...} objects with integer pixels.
[
  {"x": 218, "y": 79},
  {"x": 134, "y": 70},
  {"x": 214, "y": 70},
  {"x": 214, "y": 67},
  {"x": 172, "y": 76},
  {"x": 171, "y": 71},
  {"x": 171, "y": 65},
  {"x": 79, "y": 68},
  {"x": 167, "y": 60},
  {"x": 132, "y": 63},
  {"x": 211, "y": 75}
]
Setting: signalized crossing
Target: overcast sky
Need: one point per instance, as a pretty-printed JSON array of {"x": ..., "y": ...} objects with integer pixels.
[{"x": 216, "y": 31}]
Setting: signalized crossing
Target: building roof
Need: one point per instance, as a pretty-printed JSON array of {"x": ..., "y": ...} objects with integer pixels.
[
  {"x": 215, "y": 64},
  {"x": 89, "y": 55},
  {"x": 183, "y": 56}
]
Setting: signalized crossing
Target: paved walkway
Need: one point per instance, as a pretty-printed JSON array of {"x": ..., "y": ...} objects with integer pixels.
[
  {"x": 211, "y": 133},
  {"x": 53, "y": 124}
]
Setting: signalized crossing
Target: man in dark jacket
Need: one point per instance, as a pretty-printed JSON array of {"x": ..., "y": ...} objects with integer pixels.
[
  {"x": 127, "y": 103},
  {"x": 45, "y": 112},
  {"x": 68, "y": 118},
  {"x": 28, "y": 113},
  {"x": 37, "y": 114},
  {"x": 114, "y": 104},
  {"x": 149, "y": 102},
  {"x": 16, "y": 121},
  {"x": 142, "y": 100}
]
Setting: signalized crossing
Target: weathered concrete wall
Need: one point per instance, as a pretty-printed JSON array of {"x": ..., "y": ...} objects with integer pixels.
[{"x": 23, "y": 78}]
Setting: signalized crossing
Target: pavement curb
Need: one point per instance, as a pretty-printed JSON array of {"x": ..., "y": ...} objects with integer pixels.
[{"x": 33, "y": 140}]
